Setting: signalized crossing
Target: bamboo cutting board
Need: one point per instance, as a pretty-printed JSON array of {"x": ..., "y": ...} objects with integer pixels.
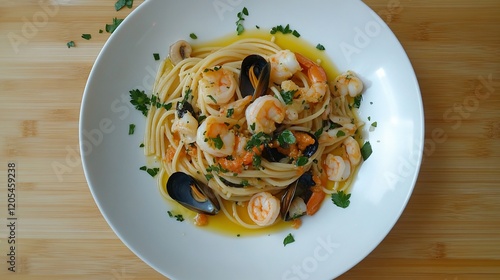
[{"x": 449, "y": 230}]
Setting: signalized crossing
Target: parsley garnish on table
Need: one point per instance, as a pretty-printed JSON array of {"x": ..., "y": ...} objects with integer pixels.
[{"x": 122, "y": 3}]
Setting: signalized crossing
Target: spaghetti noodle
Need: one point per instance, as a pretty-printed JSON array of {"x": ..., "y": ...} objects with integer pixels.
[{"x": 204, "y": 125}]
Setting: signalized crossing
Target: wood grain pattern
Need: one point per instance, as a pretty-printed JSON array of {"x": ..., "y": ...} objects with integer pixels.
[{"x": 449, "y": 230}]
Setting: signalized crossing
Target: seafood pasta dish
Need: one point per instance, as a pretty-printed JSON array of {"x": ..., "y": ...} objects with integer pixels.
[{"x": 252, "y": 130}]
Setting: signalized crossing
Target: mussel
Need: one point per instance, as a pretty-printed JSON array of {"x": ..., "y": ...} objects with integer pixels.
[
  {"x": 192, "y": 194},
  {"x": 254, "y": 76},
  {"x": 296, "y": 196},
  {"x": 183, "y": 107},
  {"x": 273, "y": 154}
]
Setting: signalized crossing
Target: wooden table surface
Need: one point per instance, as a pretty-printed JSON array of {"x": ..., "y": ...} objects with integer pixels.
[{"x": 449, "y": 230}]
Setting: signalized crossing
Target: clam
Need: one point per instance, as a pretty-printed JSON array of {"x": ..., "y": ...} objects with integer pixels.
[
  {"x": 254, "y": 76},
  {"x": 192, "y": 194},
  {"x": 296, "y": 196}
]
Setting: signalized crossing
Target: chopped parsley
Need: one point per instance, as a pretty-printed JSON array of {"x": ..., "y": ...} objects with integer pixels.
[
  {"x": 151, "y": 171},
  {"x": 301, "y": 161},
  {"x": 284, "y": 30},
  {"x": 366, "y": 150},
  {"x": 70, "y": 44},
  {"x": 110, "y": 28},
  {"x": 374, "y": 124},
  {"x": 230, "y": 112},
  {"x": 258, "y": 139},
  {"x": 318, "y": 133},
  {"x": 341, "y": 199},
  {"x": 286, "y": 137},
  {"x": 122, "y": 3},
  {"x": 86, "y": 36},
  {"x": 287, "y": 96},
  {"x": 131, "y": 129},
  {"x": 256, "y": 161},
  {"x": 101, "y": 31},
  {"x": 193, "y": 36},
  {"x": 288, "y": 239},
  {"x": 141, "y": 145},
  {"x": 217, "y": 142},
  {"x": 239, "y": 23},
  {"x": 140, "y": 100},
  {"x": 178, "y": 217},
  {"x": 156, "y": 56},
  {"x": 320, "y": 47},
  {"x": 340, "y": 133},
  {"x": 357, "y": 101},
  {"x": 212, "y": 98}
]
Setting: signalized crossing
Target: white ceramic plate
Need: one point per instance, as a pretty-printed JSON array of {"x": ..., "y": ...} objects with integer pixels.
[{"x": 327, "y": 244}]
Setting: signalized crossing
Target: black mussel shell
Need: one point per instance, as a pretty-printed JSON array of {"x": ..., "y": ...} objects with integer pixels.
[
  {"x": 183, "y": 107},
  {"x": 231, "y": 184},
  {"x": 261, "y": 69},
  {"x": 311, "y": 149},
  {"x": 192, "y": 194},
  {"x": 300, "y": 188}
]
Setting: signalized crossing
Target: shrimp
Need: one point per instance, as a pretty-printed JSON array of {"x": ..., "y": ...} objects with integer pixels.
[
  {"x": 317, "y": 76},
  {"x": 283, "y": 65},
  {"x": 215, "y": 138},
  {"x": 297, "y": 105},
  {"x": 337, "y": 168},
  {"x": 240, "y": 156},
  {"x": 217, "y": 86},
  {"x": 235, "y": 109},
  {"x": 263, "y": 113},
  {"x": 263, "y": 208},
  {"x": 353, "y": 150},
  {"x": 347, "y": 83},
  {"x": 186, "y": 126}
]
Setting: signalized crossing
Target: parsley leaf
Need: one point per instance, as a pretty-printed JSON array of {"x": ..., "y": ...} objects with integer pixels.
[
  {"x": 256, "y": 161},
  {"x": 131, "y": 129},
  {"x": 366, "y": 150},
  {"x": 288, "y": 239},
  {"x": 357, "y": 101},
  {"x": 301, "y": 161},
  {"x": 217, "y": 142},
  {"x": 287, "y": 96},
  {"x": 286, "y": 137},
  {"x": 193, "y": 36},
  {"x": 156, "y": 56},
  {"x": 110, "y": 28},
  {"x": 320, "y": 47},
  {"x": 318, "y": 133},
  {"x": 258, "y": 139},
  {"x": 241, "y": 18},
  {"x": 284, "y": 30},
  {"x": 341, "y": 199},
  {"x": 122, "y": 3},
  {"x": 178, "y": 217},
  {"x": 86, "y": 36},
  {"x": 150, "y": 171},
  {"x": 230, "y": 112},
  {"x": 70, "y": 44},
  {"x": 340, "y": 133},
  {"x": 140, "y": 100}
]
